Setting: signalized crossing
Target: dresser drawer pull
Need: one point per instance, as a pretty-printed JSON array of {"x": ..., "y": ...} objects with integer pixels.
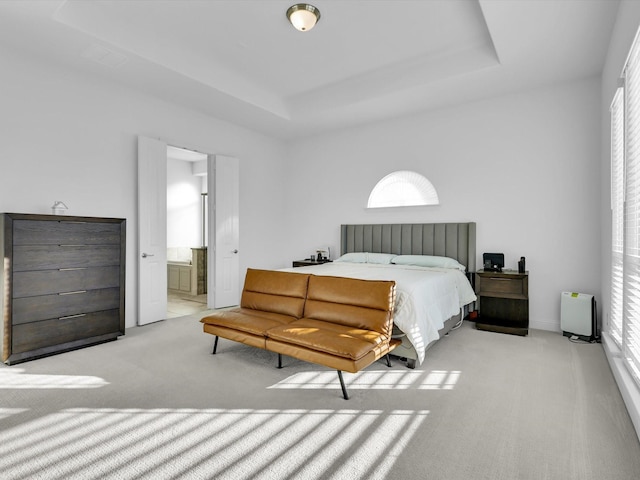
[
  {"x": 73, "y": 293},
  {"x": 72, "y": 245},
  {"x": 70, "y": 269},
  {"x": 73, "y": 316}
]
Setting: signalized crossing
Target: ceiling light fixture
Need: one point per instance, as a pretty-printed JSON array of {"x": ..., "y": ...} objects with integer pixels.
[{"x": 303, "y": 16}]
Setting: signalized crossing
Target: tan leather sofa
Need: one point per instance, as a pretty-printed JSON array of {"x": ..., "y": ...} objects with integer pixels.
[{"x": 341, "y": 323}]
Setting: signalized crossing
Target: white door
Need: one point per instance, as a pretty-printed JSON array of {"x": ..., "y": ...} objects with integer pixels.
[
  {"x": 224, "y": 260},
  {"x": 152, "y": 230}
]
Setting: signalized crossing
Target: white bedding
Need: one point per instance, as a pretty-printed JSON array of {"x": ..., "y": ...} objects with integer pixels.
[{"x": 425, "y": 296}]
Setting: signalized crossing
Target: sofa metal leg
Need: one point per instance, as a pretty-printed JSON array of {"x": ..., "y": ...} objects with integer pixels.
[
  {"x": 388, "y": 357},
  {"x": 215, "y": 346},
  {"x": 344, "y": 389},
  {"x": 279, "y": 360}
]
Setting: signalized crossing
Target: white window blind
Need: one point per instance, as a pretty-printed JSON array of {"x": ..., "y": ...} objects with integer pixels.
[
  {"x": 631, "y": 257},
  {"x": 617, "y": 214}
]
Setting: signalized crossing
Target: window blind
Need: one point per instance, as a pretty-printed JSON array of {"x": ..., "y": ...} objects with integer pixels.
[
  {"x": 631, "y": 256},
  {"x": 617, "y": 215}
]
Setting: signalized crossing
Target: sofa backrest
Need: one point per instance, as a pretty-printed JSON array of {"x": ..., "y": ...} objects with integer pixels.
[
  {"x": 365, "y": 304},
  {"x": 274, "y": 291}
]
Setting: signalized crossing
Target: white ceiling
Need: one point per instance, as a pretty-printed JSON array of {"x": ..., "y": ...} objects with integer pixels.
[{"x": 241, "y": 61}]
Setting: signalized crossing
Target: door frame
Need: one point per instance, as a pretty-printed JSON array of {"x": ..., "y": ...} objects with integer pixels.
[{"x": 211, "y": 210}]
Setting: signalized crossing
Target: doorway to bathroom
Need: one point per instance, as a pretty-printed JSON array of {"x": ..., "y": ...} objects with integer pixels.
[
  {"x": 223, "y": 258},
  {"x": 187, "y": 232}
]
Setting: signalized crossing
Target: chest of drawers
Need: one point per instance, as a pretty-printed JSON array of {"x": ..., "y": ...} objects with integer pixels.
[{"x": 63, "y": 283}]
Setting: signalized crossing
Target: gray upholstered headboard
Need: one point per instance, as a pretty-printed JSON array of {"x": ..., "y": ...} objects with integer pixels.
[{"x": 455, "y": 240}]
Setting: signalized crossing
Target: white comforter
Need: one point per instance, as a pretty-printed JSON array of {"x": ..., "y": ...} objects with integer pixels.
[{"x": 425, "y": 296}]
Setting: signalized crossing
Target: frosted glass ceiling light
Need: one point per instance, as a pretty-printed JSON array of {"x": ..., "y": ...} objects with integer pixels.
[{"x": 303, "y": 16}]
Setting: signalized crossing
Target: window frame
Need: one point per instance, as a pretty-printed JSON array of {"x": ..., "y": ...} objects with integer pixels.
[
  {"x": 617, "y": 216},
  {"x": 630, "y": 335},
  {"x": 403, "y": 188}
]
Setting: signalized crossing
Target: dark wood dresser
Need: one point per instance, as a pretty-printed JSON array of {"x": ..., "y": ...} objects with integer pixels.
[
  {"x": 503, "y": 301},
  {"x": 62, "y": 285}
]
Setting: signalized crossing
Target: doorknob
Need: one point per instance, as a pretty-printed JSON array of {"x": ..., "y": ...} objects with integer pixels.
[
  {"x": 235, "y": 251},
  {"x": 145, "y": 255}
]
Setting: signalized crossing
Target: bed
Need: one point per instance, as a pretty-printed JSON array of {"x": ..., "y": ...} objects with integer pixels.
[{"x": 431, "y": 264}]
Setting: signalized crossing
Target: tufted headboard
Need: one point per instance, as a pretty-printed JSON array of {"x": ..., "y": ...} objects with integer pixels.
[{"x": 455, "y": 240}]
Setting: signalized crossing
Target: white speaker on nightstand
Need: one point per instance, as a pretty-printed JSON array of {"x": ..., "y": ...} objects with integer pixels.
[{"x": 578, "y": 315}]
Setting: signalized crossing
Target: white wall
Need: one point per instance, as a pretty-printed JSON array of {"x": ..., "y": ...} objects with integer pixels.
[
  {"x": 525, "y": 167},
  {"x": 71, "y": 137},
  {"x": 623, "y": 34},
  {"x": 184, "y": 205}
]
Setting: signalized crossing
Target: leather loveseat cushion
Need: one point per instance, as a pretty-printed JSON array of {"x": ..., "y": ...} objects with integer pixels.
[
  {"x": 359, "y": 304},
  {"x": 276, "y": 292},
  {"x": 331, "y": 338},
  {"x": 246, "y": 320}
]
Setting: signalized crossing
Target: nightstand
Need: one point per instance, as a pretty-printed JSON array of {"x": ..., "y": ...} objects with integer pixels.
[
  {"x": 503, "y": 299},
  {"x": 308, "y": 263}
]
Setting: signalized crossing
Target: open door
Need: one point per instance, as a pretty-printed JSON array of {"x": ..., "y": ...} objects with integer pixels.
[
  {"x": 152, "y": 230},
  {"x": 224, "y": 231}
]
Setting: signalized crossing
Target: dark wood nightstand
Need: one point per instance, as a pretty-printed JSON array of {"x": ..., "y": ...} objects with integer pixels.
[
  {"x": 308, "y": 263},
  {"x": 503, "y": 299}
]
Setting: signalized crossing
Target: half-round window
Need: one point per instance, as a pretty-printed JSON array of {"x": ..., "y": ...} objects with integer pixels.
[{"x": 403, "y": 189}]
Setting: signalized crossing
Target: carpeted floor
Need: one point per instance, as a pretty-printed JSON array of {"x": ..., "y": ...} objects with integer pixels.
[{"x": 156, "y": 404}]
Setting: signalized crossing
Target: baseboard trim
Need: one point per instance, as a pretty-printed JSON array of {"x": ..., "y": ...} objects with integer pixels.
[
  {"x": 628, "y": 388},
  {"x": 549, "y": 326}
]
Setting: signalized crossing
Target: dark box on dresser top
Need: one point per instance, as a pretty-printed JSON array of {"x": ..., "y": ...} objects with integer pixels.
[{"x": 62, "y": 283}]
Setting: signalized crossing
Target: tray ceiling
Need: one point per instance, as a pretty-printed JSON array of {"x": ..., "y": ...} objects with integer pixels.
[{"x": 364, "y": 61}]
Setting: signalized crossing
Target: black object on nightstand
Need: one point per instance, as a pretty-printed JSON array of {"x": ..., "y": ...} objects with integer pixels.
[
  {"x": 308, "y": 263},
  {"x": 503, "y": 301}
]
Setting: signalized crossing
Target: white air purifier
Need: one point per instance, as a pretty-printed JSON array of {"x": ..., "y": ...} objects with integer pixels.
[{"x": 578, "y": 315}]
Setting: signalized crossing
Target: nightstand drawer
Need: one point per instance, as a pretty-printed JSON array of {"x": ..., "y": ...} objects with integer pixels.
[{"x": 500, "y": 287}]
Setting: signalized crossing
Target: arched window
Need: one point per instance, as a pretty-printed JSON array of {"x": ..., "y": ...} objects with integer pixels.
[{"x": 403, "y": 189}]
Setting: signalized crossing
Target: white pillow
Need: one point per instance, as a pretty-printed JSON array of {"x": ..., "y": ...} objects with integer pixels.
[
  {"x": 381, "y": 258},
  {"x": 355, "y": 257},
  {"x": 367, "y": 257},
  {"x": 428, "y": 261}
]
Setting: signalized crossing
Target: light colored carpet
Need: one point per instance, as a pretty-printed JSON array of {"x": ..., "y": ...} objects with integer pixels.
[{"x": 156, "y": 404}]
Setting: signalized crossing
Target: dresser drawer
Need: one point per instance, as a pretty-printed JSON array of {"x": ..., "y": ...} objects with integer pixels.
[
  {"x": 54, "y": 232},
  {"x": 45, "y": 282},
  {"x": 36, "y": 335},
  {"x": 502, "y": 287},
  {"x": 50, "y": 257},
  {"x": 33, "y": 309}
]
